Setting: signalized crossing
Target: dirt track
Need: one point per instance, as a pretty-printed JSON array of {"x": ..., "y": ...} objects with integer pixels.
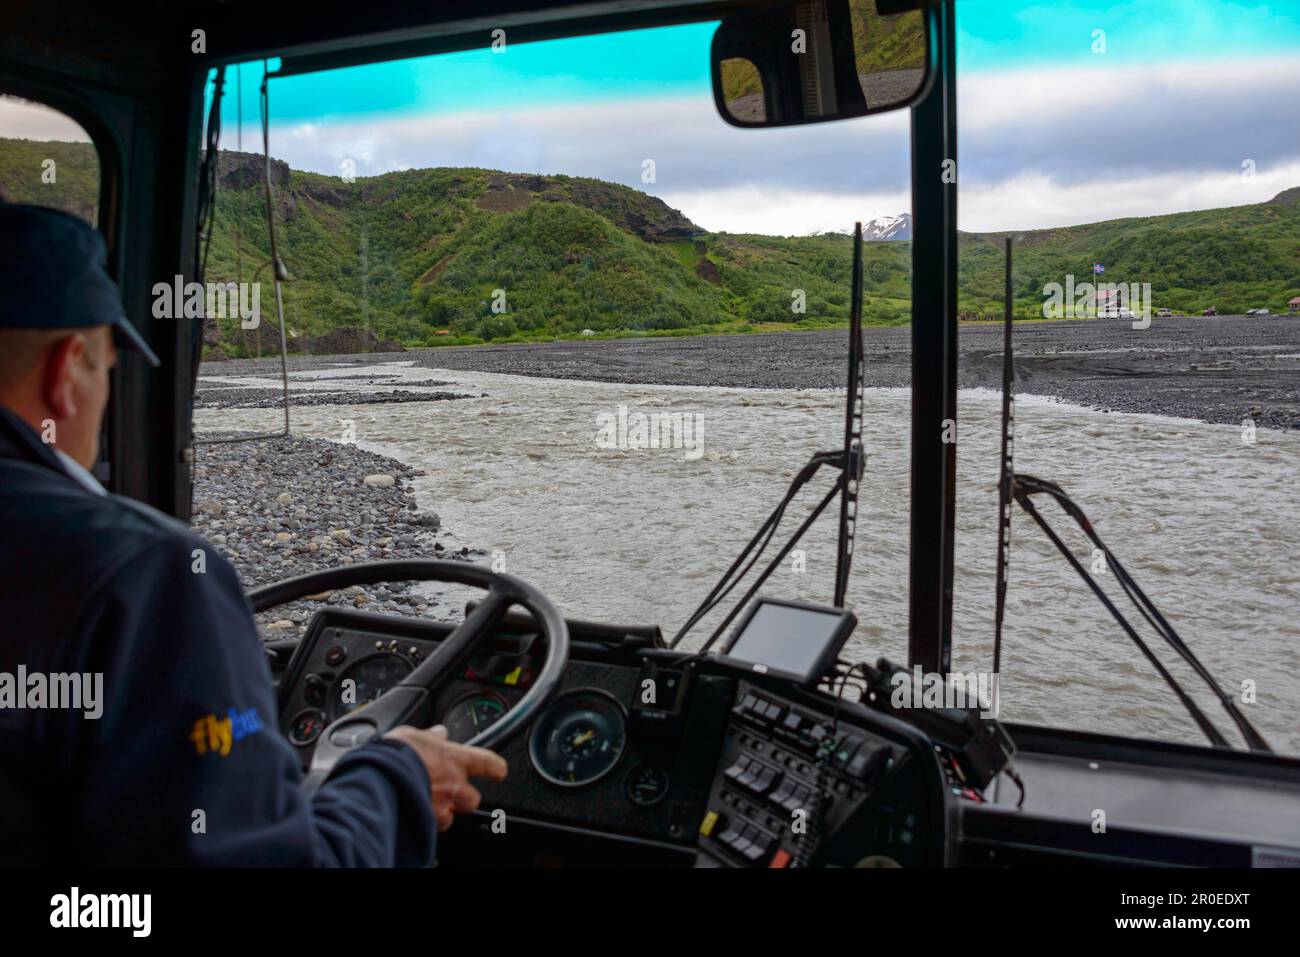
[{"x": 1220, "y": 369}]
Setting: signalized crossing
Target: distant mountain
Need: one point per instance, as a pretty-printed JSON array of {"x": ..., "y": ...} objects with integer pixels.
[
  {"x": 889, "y": 227},
  {"x": 445, "y": 255}
]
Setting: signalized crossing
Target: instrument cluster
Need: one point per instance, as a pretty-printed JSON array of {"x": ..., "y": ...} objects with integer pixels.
[{"x": 579, "y": 738}]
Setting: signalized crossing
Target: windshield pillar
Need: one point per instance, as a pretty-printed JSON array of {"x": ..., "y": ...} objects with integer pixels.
[{"x": 934, "y": 355}]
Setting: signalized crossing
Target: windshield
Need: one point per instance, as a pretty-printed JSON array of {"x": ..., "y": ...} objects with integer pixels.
[
  {"x": 1145, "y": 161},
  {"x": 624, "y": 320},
  {"x": 546, "y": 311}
]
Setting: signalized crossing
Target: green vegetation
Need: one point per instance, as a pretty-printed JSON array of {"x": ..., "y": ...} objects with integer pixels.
[
  {"x": 1234, "y": 259},
  {"x": 418, "y": 256},
  {"x": 880, "y": 44},
  {"x": 25, "y": 175}
]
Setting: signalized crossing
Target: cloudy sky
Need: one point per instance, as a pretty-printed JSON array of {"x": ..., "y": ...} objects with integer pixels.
[{"x": 1173, "y": 105}]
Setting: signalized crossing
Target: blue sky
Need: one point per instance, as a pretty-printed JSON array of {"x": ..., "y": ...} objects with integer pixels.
[
  {"x": 1187, "y": 93},
  {"x": 1192, "y": 105},
  {"x": 994, "y": 34},
  {"x": 1060, "y": 34}
]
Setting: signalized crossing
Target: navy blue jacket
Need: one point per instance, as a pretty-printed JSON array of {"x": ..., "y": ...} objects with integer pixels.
[{"x": 185, "y": 764}]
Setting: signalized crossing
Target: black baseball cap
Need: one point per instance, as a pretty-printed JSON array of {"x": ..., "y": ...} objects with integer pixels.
[{"x": 53, "y": 275}]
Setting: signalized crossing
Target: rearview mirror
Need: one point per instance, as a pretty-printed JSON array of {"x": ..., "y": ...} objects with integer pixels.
[{"x": 820, "y": 60}]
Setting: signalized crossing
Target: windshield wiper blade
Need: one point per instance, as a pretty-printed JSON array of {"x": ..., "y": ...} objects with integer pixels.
[
  {"x": 1025, "y": 486},
  {"x": 1020, "y": 488},
  {"x": 850, "y": 461},
  {"x": 854, "y": 450}
]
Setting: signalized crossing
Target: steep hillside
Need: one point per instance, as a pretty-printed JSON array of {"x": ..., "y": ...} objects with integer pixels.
[
  {"x": 75, "y": 174},
  {"x": 420, "y": 253},
  {"x": 423, "y": 256}
]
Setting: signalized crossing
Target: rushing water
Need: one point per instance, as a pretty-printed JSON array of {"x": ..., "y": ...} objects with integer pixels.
[{"x": 1207, "y": 524}]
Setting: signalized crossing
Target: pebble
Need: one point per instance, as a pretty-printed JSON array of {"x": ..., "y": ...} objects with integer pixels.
[{"x": 348, "y": 505}]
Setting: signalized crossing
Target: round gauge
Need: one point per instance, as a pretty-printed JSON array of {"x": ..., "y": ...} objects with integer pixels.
[
  {"x": 472, "y": 714},
  {"x": 647, "y": 784},
  {"x": 578, "y": 739},
  {"x": 307, "y": 727},
  {"x": 366, "y": 680}
]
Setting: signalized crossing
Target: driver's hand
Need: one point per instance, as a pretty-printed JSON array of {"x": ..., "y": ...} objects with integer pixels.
[{"x": 450, "y": 767}]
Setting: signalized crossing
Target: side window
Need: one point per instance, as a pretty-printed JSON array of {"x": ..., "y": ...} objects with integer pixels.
[{"x": 47, "y": 159}]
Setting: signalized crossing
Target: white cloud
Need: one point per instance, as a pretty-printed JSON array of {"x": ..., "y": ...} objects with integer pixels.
[
  {"x": 1038, "y": 148},
  {"x": 1036, "y": 201},
  {"x": 785, "y": 212},
  {"x": 721, "y": 177},
  {"x": 25, "y": 120},
  {"x": 1018, "y": 96}
]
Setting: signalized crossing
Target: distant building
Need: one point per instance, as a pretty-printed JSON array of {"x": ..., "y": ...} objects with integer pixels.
[
  {"x": 1113, "y": 304},
  {"x": 1293, "y": 305}
]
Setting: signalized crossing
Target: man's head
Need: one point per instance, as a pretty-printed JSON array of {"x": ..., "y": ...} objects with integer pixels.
[
  {"x": 56, "y": 380},
  {"x": 59, "y": 314}
]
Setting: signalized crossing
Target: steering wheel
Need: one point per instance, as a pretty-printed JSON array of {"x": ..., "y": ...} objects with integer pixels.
[{"x": 400, "y": 703}]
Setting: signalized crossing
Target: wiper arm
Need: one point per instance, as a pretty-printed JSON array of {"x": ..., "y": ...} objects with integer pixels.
[
  {"x": 850, "y": 461},
  {"x": 1025, "y": 486},
  {"x": 754, "y": 550},
  {"x": 1021, "y": 488}
]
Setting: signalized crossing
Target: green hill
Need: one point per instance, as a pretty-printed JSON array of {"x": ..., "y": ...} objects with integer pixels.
[
  {"x": 418, "y": 256},
  {"x": 75, "y": 174},
  {"x": 410, "y": 253},
  {"x": 1235, "y": 259}
]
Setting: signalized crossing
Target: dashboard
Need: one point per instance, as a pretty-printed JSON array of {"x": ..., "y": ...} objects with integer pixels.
[{"x": 722, "y": 771}]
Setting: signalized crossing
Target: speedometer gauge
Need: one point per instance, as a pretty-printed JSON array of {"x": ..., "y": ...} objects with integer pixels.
[
  {"x": 366, "y": 680},
  {"x": 579, "y": 738}
]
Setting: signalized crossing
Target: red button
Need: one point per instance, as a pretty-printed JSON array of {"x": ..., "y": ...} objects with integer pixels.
[{"x": 780, "y": 859}]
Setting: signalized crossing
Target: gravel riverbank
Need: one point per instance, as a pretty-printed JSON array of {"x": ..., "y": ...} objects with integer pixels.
[
  {"x": 262, "y": 398},
  {"x": 1215, "y": 368},
  {"x": 283, "y": 507}
]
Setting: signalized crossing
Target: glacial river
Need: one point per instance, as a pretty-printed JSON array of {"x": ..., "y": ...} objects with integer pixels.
[{"x": 1209, "y": 525}]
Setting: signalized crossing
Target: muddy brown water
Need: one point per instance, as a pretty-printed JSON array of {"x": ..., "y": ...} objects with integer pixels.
[{"x": 1207, "y": 523}]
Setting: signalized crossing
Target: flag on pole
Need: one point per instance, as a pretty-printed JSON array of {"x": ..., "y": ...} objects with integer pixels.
[{"x": 1098, "y": 268}]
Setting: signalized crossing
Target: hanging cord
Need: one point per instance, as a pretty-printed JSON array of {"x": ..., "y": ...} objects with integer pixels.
[
  {"x": 276, "y": 264},
  {"x": 279, "y": 273},
  {"x": 239, "y": 148}
]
